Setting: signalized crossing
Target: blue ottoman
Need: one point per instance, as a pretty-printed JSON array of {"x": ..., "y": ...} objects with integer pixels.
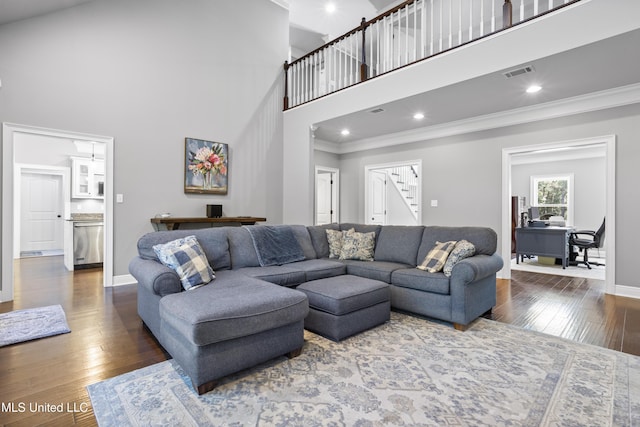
[{"x": 342, "y": 306}]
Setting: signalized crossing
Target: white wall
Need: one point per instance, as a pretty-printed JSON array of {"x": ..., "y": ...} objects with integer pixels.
[
  {"x": 589, "y": 177},
  {"x": 464, "y": 174},
  {"x": 150, "y": 73}
]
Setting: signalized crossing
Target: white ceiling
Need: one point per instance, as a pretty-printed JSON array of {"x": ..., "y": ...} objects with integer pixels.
[{"x": 311, "y": 26}]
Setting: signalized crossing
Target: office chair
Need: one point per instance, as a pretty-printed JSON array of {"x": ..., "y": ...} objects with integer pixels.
[{"x": 594, "y": 239}]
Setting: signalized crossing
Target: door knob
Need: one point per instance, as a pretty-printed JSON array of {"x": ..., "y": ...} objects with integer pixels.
[{"x": 59, "y": 216}]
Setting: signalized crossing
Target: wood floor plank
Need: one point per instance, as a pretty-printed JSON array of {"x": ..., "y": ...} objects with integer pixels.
[{"x": 108, "y": 338}]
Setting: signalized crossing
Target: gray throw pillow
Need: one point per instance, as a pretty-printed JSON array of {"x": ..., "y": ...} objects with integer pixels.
[{"x": 463, "y": 249}]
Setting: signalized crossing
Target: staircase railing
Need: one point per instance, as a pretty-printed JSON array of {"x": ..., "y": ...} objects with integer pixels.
[
  {"x": 405, "y": 179},
  {"x": 411, "y": 32}
]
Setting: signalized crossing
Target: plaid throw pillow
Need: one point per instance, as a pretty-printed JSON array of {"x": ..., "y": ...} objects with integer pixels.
[
  {"x": 186, "y": 257},
  {"x": 435, "y": 259},
  {"x": 463, "y": 249}
]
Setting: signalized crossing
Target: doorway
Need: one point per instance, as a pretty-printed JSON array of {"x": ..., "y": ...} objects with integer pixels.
[
  {"x": 14, "y": 138},
  {"x": 327, "y": 199},
  {"x": 508, "y": 156},
  {"x": 41, "y": 194},
  {"x": 393, "y": 193}
]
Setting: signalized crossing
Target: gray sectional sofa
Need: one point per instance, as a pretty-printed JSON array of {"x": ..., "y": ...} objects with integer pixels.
[{"x": 252, "y": 313}]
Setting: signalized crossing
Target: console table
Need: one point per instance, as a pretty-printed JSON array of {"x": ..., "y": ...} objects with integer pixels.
[
  {"x": 174, "y": 223},
  {"x": 543, "y": 241}
]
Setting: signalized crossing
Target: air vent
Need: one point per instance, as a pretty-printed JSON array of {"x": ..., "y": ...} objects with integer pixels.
[
  {"x": 377, "y": 110},
  {"x": 519, "y": 71}
]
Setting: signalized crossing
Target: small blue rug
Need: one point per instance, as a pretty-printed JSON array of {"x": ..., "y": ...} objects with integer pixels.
[{"x": 32, "y": 323}]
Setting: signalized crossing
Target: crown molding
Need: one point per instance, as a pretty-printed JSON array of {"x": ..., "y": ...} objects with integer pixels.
[{"x": 601, "y": 100}]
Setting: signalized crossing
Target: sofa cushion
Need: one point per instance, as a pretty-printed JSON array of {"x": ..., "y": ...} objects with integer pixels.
[
  {"x": 315, "y": 269},
  {"x": 483, "y": 238},
  {"x": 413, "y": 278},
  {"x": 187, "y": 259},
  {"x": 399, "y": 243},
  {"x": 318, "y": 236},
  {"x": 213, "y": 242},
  {"x": 283, "y": 275},
  {"x": 463, "y": 249},
  {"x": 437, "y": 256},
  {"x": 377, "y": 270},
  {"x": 232, "y": 307},
  {"x": 358, "y": 246},
  {"x": 304, "y": 240},
  {"x": 241, "y": 249},
  {"x": 344, "y": 294}
]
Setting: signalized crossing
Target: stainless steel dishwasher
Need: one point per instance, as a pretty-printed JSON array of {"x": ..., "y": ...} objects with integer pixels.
[{"x": 87, "y": 244}]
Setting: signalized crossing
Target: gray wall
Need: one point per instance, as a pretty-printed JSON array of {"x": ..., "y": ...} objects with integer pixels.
[
  {"x": 464, "y": 174},
  {"x": 589, "y": 177},
  {"x": 150, "y": 73}
]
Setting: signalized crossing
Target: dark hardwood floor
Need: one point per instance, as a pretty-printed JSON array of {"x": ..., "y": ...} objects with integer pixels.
[{"x": 108, "y": 338}]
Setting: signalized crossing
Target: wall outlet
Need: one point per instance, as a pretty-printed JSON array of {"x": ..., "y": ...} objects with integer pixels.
[
  {"x": 434, "y": 203},
  {"x": 119, "y": 198}
]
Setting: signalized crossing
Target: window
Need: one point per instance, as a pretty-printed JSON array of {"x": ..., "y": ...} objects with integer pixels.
[{"x": 553, "y": 195}]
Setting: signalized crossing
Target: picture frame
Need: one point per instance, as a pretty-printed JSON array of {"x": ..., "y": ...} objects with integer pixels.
[{"x": 206, "y": 166}]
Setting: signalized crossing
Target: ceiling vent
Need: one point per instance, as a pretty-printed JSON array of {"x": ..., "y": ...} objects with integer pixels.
[
  {"x": 377, "y": 110},
  {"x": 519, "y": 71}
]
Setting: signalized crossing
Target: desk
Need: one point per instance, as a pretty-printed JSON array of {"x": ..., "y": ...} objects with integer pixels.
[
  {"x": 174, "y": 223},
  {"x": 543, "y": 241}
]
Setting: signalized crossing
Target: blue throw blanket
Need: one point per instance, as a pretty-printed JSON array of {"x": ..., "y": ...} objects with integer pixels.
[{"x": 275, "y": 245}]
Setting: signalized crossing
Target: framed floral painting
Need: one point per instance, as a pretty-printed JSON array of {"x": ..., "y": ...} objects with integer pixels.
[{"x": 206, "y": 167}]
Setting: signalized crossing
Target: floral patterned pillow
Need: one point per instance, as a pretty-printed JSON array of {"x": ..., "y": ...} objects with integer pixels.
[
  {"x": 463, "y": 249},
  {"x": 334, "y": 237},
  {"x": 358, "y": 246}
]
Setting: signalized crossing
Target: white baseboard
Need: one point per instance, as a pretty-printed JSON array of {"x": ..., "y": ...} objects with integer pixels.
[
  {"x": 125, "y": 279},
  {"x": 627, "y": 291}
]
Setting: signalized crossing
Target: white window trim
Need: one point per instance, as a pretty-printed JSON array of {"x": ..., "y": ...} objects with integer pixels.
[{"x": 570, "y": 190}]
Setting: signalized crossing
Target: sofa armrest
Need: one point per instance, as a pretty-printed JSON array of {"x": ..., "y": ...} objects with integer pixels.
[
  {"x": 156, "y": 277},
  {"x": 475, "y": 268},
  {"x": 473, "y": 287}
]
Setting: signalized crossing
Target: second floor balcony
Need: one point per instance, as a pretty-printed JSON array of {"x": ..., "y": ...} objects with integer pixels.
[{"x": 414, "y": 31}]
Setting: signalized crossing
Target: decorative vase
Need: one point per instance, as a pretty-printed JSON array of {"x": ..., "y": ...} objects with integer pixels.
[{"x": 206, "y": 181}]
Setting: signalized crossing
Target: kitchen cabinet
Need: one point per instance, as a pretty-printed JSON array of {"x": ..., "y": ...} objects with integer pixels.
[{"x": 87, "y": 178}]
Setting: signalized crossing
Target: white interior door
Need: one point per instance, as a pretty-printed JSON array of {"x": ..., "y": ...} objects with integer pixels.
[
  {"x": 324, "y": 198},
  {"x": 42, "y": 212},
  {"x": 377, "y": 209}
]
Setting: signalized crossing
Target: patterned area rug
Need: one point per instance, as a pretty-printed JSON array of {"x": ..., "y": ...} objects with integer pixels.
[
  {"x": 407, "y": 372},
  {"x": 32, "y": 323}
]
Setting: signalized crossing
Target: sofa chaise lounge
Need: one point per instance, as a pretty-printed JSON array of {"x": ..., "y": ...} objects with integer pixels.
[{"x": 252, "y": 312}]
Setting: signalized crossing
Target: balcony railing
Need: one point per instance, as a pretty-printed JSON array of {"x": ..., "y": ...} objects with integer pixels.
[{"x": 411, "y": 32}]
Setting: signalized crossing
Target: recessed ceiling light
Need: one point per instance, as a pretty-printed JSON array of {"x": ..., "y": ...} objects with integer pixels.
[
  {"x": 534, "y": 89},
  {"x": 330, "y": 7},
  {"x": 418, "y": 116},
  {"x": 345, "y": 132}
]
